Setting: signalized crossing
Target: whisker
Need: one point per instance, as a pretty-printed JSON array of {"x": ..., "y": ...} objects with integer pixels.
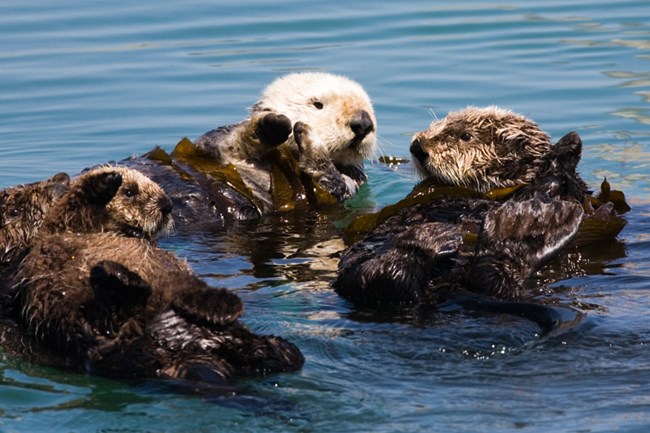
[{"x": 432, "y": 113}]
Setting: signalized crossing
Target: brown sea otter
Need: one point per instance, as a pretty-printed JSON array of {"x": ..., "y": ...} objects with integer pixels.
[
  {"x": 94, "y": 292},
  {"x": 508, "y": 203}
]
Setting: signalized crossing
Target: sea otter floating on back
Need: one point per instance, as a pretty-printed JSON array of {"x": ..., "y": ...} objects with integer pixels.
[
  {"x": 302, "y": 146},
  {"x": 92, "y": 291},
  {"x": 510, "y": 201}
]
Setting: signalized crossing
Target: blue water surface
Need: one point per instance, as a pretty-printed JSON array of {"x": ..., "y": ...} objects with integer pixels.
[{"x": 87, "y": 82}]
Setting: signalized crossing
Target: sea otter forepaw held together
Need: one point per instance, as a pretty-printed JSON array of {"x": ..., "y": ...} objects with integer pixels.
[
  {"x": 273, "y": 129},
  {"x": 317, "y": 164}
]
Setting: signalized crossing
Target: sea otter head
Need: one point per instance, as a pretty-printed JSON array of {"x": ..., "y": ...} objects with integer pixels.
[
  {"x": 482, "y": 149},
  {"x": 140, "y": 206},
  {"x": 112, "y": 199},
  {"x": 22, "y": 211},
  {"x": 337, "y": 109}
]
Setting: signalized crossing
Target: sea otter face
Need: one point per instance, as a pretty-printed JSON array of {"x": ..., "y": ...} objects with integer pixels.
[
  {"x": 337, "y": 109},
  {"x": 22, "y": 210},
  {"x": 140, "y": 207},
  {"x": 481, "y": 148}
]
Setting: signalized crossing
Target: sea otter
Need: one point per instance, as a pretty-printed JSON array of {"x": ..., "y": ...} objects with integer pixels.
[
  {"x": 493, "y": 148},
  {"x": 95, "y": 292},
  {"x": 113, "y": 199},
  {"x": 261, "y": 164},
  {"x": 22, "y": 211},
  {"x": 510, "y": 201}
]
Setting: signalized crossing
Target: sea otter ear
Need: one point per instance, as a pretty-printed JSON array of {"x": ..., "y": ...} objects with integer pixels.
[
  {"x": 115, "y": 285},
  {"x": 100, "y": 188},
  {"x": 569, "y": 149},
  {"x": 59, "y": 184}
]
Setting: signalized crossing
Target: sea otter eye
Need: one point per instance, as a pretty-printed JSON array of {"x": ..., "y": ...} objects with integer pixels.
[
  {"x": 466, "y": 136},
  {"x": 130, "y": 191},
  {"x": 318, "y": 105}
]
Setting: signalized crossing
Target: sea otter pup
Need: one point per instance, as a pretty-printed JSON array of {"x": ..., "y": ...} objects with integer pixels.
[
  {"x": 262, "y": 164},
  {"x": 112, "y": 199},
  {"x": 448, "y": 239},
  {"x": 110, "y": 301}
]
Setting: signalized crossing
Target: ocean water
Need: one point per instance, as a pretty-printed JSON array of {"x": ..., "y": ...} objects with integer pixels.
[{"x": 86, "y": 82}]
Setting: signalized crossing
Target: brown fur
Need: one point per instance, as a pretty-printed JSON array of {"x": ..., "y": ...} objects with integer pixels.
[
  {"x": 431, "y": 251},
  {"x": 22, "y": 211},
  {"x": 482, "y": 149},
  {"x": 96, "y": 292},
  {"x": 111, "y": 198},
  {"x": 122, "y": 307}
]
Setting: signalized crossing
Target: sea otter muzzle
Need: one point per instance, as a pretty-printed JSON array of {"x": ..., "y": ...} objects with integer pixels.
[
  {"x": 418, "y": 152},
  {"x": 165, "y": 205},
  {"x": 362, "y": 125}
]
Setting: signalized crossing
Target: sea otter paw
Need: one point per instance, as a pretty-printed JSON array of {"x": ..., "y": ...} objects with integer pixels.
[
  {"x": 273, "y": 129},
  {"x": 217, "y": 307},
  {"x": 101, "y": 188},
  {"x": 115, "y": 285},
  {"x": 538, "y": 228},
  {"x": 304, "y": 140},
  {"x": 313, "y": 157},
  {"x": 517, "y": 238}
]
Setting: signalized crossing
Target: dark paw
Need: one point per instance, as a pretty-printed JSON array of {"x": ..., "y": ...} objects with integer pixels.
[
  {"x": 273, "y": 129},
  {"x": 536, "y": 228},
  {"x": 115, "y": 285},
  {"x": 299, "y": 131},
  {"x": 208, "y": 305},
  {"x": 101, "y": 188}
]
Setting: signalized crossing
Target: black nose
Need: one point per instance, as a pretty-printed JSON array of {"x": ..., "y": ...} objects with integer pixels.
[
  {"x": 361, "y": 125},
  {"x": 165, "y": 205},
  {"x": 418, "y": 152}
]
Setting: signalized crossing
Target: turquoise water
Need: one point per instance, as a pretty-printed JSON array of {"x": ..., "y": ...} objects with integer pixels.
[{"x": 87, "y": 82}]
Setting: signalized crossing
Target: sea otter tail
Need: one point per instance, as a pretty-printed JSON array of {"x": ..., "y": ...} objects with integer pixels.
[{"x": 549, "y": 318}]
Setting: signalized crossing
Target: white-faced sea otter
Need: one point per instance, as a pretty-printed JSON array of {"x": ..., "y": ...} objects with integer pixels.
[{"x": 302, "y": 146}]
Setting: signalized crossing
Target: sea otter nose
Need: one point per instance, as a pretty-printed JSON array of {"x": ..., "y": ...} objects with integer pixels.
[
  {"x": 165, "y": 205},
  {"x": 417, "y": 151},
  {"x": 361, "y": 125}
]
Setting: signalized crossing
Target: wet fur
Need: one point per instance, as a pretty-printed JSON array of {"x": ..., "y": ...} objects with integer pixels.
[
  {"x": 490, "y": 148},
  {"x": 429, "y": 253},
  {"x": 98, "y": 294},
  {"x": 122, "y": 307},
  {"x": 22, "y": 211},
  {"x": 111, "y": 198}
]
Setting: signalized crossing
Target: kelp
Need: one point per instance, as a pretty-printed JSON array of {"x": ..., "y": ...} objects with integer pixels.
[
  {"x": 602, "y": 219},
  {"x": 602, "y": 215},
  {"x": 286, "y": 187},
  {"x": 424, "y": 192},
  {"x": 291, "y": 188},
  {"x": 392, "y": 160},
  {"x": 617, "y": 198}
]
